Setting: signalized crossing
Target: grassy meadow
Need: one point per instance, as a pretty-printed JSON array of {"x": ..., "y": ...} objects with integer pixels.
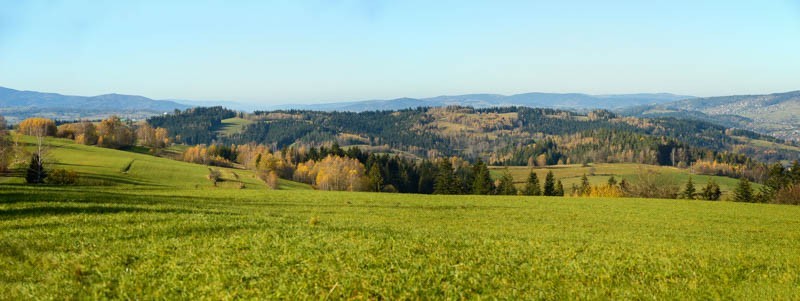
[
  {"x": 159, "y": 230},
  {"x": 599, "y": 174}
]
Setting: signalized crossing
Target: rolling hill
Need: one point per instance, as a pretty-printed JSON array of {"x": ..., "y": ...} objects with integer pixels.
[
  {"x": 775, "y": 114},
  {"x": 126, "y": 170}
]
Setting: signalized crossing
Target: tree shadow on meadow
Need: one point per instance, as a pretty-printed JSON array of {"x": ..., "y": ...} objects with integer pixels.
[
  {"x": 95, "y": 209},
  {"x": 98, "y": 197}
]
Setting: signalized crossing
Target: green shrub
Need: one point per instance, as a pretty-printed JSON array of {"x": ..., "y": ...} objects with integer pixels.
[{"x": 62, "y": 177}]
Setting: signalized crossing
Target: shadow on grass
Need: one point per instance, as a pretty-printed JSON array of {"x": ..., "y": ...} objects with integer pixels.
[
  {"x": 99, "y": 197},
  {"x": 67, "y": 210},
  {"x": 96, "y": 179},
  {"x": 71, "y": 164}
]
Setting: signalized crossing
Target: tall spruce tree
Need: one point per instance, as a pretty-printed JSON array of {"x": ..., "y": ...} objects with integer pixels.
[
  {"x": 711, "y": 191},
  {"x": 559, "y": 188},
  {"x": 445, "y": 182},
  {"x": 506, "y": 186},
  {"x": 482, "y": 184},
  {"x": 689, "y": 191},
  {"x": 549, "y": 184},
  {"x": 375, "y": 178},
  {"x": 585, "y": 188},
  {"x": 743, "y": 191},
  {"x": 532, "y": 185},
  {"x": 36, "y": 172}
]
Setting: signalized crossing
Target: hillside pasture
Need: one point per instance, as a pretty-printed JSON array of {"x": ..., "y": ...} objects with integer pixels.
[{"x": 599, "y": 174}]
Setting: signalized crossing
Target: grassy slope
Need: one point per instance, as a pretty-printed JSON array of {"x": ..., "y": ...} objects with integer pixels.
[
  {"x": 233, "y": 125},
  {"x": 571, "y": 174},
  {"x": 106, "y": 167}
]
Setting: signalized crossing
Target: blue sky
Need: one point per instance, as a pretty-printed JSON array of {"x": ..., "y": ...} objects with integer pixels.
[{"x": 275, "y": 52}]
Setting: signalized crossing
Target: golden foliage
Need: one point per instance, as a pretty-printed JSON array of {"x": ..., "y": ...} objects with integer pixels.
[
  {"x": 112, "y": 133},
  {"x": 83, "y": 132},
  {"x": 333, "y": 173},
  {"x": 38, "y": 127}
]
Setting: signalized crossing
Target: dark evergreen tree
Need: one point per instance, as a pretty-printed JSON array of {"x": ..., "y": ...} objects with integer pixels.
[
  {"x": 743, "y": 191},
  {"x": 446, "y": 182},
  {"x": 549, "y": 188},
  {"x": 506, "y": 185},
  {"x": 711, "y": 191},
  {"x": 483, "y": 179},
  {"x": 689, "y": 191},
  {"x": 375, "y": 178},
  {"x": 532, "y": 185},
  {"x": 559, "y": 188},
  {"x": 36, "y": 173},
  {"x": 427, "y": 177},
  {"x": 585, "y": 188}
]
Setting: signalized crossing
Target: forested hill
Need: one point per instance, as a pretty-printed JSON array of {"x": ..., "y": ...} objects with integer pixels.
[
  {"x": 511, "y": 135},
  {"x": 776, "y": 114}
]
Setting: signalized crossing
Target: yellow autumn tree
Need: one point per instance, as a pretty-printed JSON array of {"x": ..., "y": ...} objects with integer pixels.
[
  {"x": 38, "y": 127},
  {"x": 113, "y": 133},
  {"x": 83, "y": 132},
  {"x": 333, "y": 173}
]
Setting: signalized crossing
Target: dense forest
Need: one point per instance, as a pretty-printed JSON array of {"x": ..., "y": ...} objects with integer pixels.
[
  {"x": 498, "y": 136},
  {"x": 193, "y": 126}
]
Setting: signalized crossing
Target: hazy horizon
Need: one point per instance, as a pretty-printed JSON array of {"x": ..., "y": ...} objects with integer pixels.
[{"x": 271, "y": 53}]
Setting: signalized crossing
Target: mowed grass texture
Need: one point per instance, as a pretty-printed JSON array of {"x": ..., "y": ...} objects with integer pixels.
[{"x": 98, "y": 243}]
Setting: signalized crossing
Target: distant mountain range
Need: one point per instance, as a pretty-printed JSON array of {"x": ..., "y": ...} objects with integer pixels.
[
  {"x": 776, "y": 114},
  {"x": 539, "y": 100},
  {"x": 16, "y": 105}
]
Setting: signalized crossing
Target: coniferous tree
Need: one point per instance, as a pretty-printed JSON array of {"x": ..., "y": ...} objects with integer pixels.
[
  {"x": 549, "y": 188},
  {"x": 375, "y": 178},
  {"x": 743, "y": 191},
  {"x": 446, "y": 182},
  {"x": 794, "y": 172},
  {"x": 483, "y": 179},
  {"x": 36, "y": 173},
  {"x": 689, "y": 191},
  {"x": 559, "y": 189},
  {"x": 777, "y": 177},
  {"x": 506, "y": 186},
  {"x": 586, "y": 187},
  {"x": 711, "y": 191},
  {"x": 532, "y": 185}
]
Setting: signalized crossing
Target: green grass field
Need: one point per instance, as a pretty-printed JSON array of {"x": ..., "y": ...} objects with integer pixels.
[
  {"x": 162, "y": 231},
  {"x": 233, "y": 125},
  {"x": 571, "y": 174}
]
